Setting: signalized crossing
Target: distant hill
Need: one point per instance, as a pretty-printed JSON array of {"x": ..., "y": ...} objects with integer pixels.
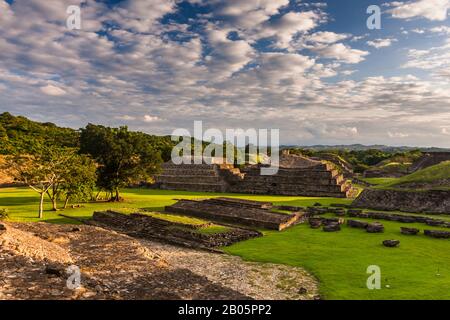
[
  {"x": 361, "y": 147},
  {"x": 19, "y": 134}
]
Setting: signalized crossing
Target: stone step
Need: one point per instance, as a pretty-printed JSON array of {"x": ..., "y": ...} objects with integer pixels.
[
  {"x": 190, "y": 172},
  {"x": 239, "y": 203},
  {"x": 188, "y": 179},
  {"x": 199, "y": 187}
]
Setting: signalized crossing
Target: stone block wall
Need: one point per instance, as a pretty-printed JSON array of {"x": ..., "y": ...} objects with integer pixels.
[{"x": 320, "y": 179}]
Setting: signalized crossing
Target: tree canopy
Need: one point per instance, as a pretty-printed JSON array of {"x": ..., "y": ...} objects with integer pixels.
[{"x": 123, "y": 157}]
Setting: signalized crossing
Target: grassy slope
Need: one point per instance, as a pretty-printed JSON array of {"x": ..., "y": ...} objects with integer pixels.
[
  {"x": 338, "y": 260},
  {"x": 378, "y": 181},
  {"x": 437, "y": 172}
]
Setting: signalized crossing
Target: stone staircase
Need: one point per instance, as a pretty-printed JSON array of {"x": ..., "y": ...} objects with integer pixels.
[
  {"x": 192, "y": 177},
  {"x": 318, "y": 180}
]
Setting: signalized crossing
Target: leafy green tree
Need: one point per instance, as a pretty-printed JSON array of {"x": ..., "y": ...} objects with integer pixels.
[
  {"x": 79, "y": 181},
  {"x": 75, "y": 180},
  {"x": 39, "y": 170},
  {"x": 123, "y": 157}
]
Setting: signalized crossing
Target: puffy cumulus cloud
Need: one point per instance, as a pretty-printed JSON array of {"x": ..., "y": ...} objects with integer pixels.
[
  {"x": 326, "y": 37},
  {"x": 227, "y": 56},
  {"x": 52, "y": 90},
  {"x": 250, "y": 13},
  {"x": 141, "y": 16},
  {"x": 288, "y": 25},
  {"x": 435, "y": 10},
  {"x": 381, "y": 43},
  {"x": 341, "y": 52}
]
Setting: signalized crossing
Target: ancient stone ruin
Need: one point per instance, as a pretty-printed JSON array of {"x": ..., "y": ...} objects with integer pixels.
[
  {"x": 296, "y": 176},
  {"x": 391, "y": 243},
  {"x": 429, "y": 159},
  {"x": 375, "y": 227},
  {"x": 437, "y": 234},
  {"x": 233, "y": 211},
  {"x": 409, "y": 231},
  {"x": 148, "y": 227},
  {"x": 429, "y": 201}
]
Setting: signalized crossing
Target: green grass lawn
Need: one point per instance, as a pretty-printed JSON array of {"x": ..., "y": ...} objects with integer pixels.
[
  {"x": 437, "y": 172},
  {"x": 22, "y": 203},
  {"x": 418, "y": 269}
]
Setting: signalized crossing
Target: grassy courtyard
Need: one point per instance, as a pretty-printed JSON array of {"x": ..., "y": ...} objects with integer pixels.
[{"x": 418, "y": 269}]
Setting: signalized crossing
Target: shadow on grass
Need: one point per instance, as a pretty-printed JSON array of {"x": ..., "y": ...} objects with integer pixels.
[{"x": 18, "y": 201}]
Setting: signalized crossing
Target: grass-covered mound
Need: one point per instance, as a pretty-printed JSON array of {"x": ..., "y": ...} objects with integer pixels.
[{"x": 434, "y": 177}]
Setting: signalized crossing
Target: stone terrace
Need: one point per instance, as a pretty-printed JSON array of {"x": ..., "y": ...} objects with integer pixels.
[
  {"x": 234, "y": 211},
  {"x": 319, "y": 181},
  {"x": 191, "y": 177},
  {"x": 297, "y": 176}
]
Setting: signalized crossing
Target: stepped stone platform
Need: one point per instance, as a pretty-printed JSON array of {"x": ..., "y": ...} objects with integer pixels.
[
  {"x": 233, "y": 211},
  {"x": 297, "y": 176}
]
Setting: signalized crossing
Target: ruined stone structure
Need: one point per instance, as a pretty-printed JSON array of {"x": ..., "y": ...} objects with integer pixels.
[
  {"x": 296, "y": 176},
  {"x": 240, "y": 212},
  {"x": 430, "y": 201},
  {"x": 429, "y": 159},
  {"x": 147, "y": 227}
]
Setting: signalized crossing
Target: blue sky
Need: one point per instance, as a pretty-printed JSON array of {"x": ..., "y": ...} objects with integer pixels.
[{"x": 309, "y": 68}]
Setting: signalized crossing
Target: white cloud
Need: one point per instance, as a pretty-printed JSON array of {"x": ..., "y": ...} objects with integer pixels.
[
  {"x": 290, "y": 24},
  {"x": 52, "y": 90},
  {"x": 342, "y": 53},
  {"x": 397, "y": 135},
  {"x": 326, "y": 37},
  {"x": 149, "y": 118},
  {"x": 381, "y": 43},
  {"x": 435, "y": 10}
]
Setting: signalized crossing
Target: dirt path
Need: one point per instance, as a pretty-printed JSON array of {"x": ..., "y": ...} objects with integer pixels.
[{"x": 115, "y": 266}]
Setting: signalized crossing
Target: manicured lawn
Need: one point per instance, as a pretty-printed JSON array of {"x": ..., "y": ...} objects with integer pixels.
[
  {"x": 418, "y": 269},
  {"x": 22, "y": 203}
]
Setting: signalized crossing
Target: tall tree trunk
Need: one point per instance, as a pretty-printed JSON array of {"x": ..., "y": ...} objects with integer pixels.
[
  {"x": 66, "y": 202},
  {"x": 117, "y": 196},
  {"x": 41, "y": 206},
  {"x": 54, "y": 204},
  {"x": 52, "y": 197}
]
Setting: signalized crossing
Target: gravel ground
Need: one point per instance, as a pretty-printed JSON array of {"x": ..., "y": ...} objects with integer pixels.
[{"x": 116, "y": 266}]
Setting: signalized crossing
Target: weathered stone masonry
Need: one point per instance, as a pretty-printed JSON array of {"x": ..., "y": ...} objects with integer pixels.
[{"x": 303, "y": 178}]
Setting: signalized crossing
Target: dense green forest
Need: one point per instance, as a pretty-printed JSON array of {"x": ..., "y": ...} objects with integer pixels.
[{"x": 21, "y": 135}]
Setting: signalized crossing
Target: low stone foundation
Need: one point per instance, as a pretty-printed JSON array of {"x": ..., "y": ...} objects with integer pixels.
[
  {"x": 432, "y": 201},
  {"x": 238, "y": 212},
  {"x": 147, "y": 227}
]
